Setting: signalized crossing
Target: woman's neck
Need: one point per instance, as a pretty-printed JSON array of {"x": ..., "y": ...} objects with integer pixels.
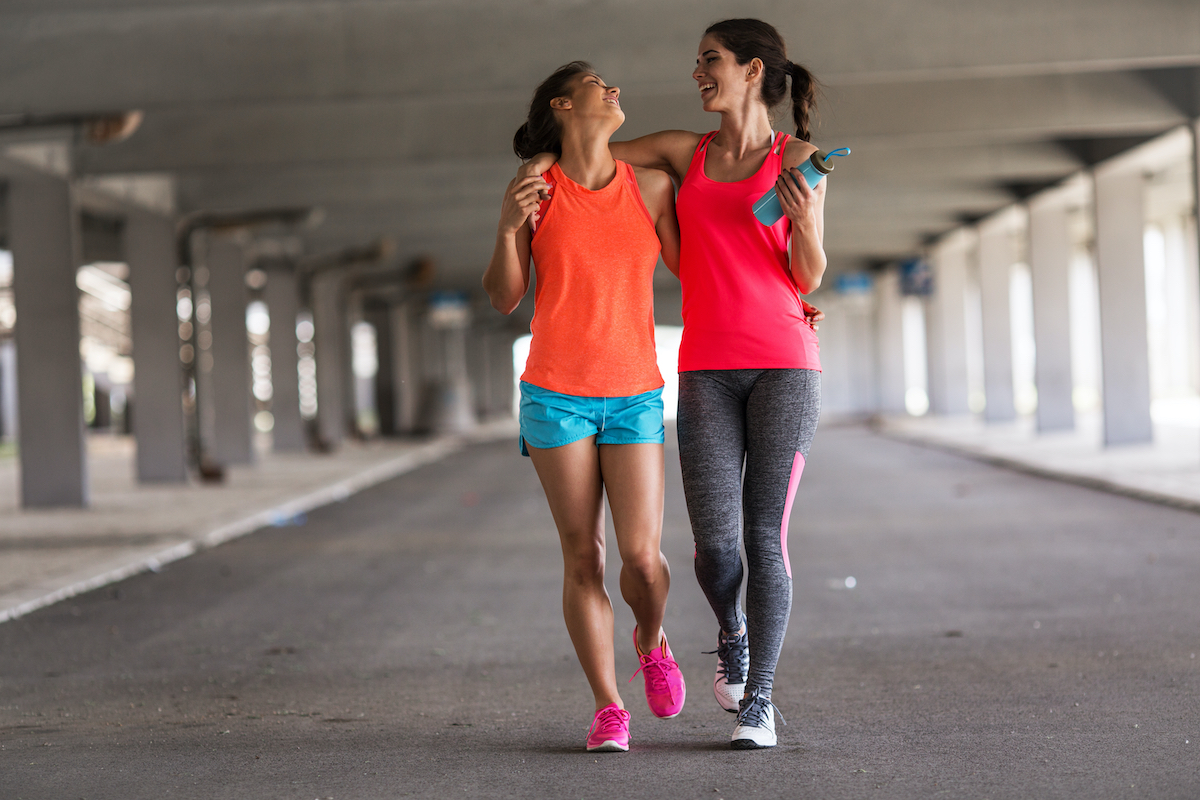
[
  {"x": 745, "y": 130},
  {"x": 586, "y": 159}
]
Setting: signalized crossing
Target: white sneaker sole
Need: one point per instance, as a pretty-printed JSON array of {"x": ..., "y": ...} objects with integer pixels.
[
  {"x": 752, "y": 738},
  {"x": 608, "y": 747},
  {"x": 728, "y": 694}
]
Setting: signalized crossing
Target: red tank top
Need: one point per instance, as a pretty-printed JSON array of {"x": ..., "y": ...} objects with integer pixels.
[
  {"x": 593, "y": 319},
  {"x": 741, "y": 307}
]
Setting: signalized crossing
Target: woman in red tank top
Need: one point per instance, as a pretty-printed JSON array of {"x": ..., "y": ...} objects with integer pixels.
[
  {"x": 591, "y": 405},
  {"x": 749, "y": 383}
]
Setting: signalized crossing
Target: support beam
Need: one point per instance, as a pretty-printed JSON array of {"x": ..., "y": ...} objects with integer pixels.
[
  {"x": 8, "y": 391},
  {"x": 1121, "y": 269},
  {"x": 406, "y": 366},
  {"x": 330, "y": 323},
  {"x": 1049, "y": 265},
  {"x": 158, "y": 423},
  {"x": 889, "y": 335},
  {"x": 378, "y": 313},
  {"x": 44, "y": 235},
  {"x": 283, "y": 304},
  {"x": 230, "y": 377},
  {"x": 946, "y": 325},
  {"x": 996, "y": 258}
]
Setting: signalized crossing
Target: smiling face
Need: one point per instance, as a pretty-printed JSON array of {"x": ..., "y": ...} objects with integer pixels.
[
  {"x": 723, "y": 83},
  {"x": 591, "y": 98}
]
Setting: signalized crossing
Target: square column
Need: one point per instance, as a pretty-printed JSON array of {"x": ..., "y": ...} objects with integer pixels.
[
  {"x": 44, "y": 234},
  {"x": 378, "y": 313},
  {"x": 329, "y": 320},
  {"x": 889, "y": 332},
  {"x": 8, "y": 391},
  {"x": 1121, "y": 269},
  {"x": 1050, "y": 265},
  {"x": 158, "y": 422},
  {"x": 282, "y": 295},
  {"x": 946, "y": 325},
  {"x": 230, "y": 377},
  {"x": 997, "y": 255},
  {"x": 406, "y": 366}
]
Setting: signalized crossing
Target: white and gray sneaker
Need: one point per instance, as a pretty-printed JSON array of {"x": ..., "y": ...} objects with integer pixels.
[
  {"x": 733, "y": 664},
  {"x": 756, "y": 723}
]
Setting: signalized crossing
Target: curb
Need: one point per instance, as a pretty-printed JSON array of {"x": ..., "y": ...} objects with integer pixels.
[
  {"x": 1086, "y": 481},
  {"x": 277, "y": 515}
]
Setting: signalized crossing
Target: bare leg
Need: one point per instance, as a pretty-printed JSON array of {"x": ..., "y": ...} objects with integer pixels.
[
  {"x": 633, "y": 479},
  {"x": 570, "y": 476}
]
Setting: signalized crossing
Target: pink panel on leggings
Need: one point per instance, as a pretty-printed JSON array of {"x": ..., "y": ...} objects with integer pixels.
[{"x": 793, "y": 484}]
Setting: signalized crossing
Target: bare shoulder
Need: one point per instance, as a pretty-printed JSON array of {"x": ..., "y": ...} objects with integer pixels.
[
  {"x": 796, "y": 152},
  {"x": 657, "y": 188}
]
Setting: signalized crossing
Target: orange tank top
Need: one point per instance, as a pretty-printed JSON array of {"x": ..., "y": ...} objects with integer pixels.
[{"x": 594, "y": 253}]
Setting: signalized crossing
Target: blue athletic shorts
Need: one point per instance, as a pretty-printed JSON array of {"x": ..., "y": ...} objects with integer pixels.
[{"x": 551, "y": 419}]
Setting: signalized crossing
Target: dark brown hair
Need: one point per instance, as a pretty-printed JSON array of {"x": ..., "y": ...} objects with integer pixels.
[
  {"x": 748, "y": 39},
  {"x": 542, "y": 132}
]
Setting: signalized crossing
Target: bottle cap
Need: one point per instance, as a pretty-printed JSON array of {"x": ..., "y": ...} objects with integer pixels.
[{"x": 819, "y": 162}]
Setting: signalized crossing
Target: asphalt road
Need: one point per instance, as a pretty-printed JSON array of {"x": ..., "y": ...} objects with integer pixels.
[{"x": 1006, "y": 637}]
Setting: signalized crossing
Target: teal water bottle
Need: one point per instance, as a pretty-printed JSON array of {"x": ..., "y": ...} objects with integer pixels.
[{"x": 767, "y": 209}]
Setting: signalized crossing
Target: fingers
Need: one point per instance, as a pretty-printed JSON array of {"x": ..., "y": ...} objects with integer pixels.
[{"x": 795, "y": 195}]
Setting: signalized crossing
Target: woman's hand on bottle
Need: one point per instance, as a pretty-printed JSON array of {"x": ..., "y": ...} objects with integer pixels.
[
  {"x": 799, "y": 202},
  {"x": 521, "y": 201}
]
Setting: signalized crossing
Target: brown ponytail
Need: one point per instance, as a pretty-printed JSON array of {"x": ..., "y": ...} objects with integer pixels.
[{"x": 749, "y": 39}]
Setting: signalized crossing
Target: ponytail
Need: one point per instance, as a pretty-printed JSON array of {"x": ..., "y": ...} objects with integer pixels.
[
  {"x": 749, "y": 39},
  {"x": 804, "y": 100},
  {"x": 542, "y": 132}
]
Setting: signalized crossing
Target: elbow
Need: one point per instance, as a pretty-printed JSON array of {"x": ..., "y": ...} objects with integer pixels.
[
  {"x": 809, "y": 285},
  {"x": 504, "y": 302}
]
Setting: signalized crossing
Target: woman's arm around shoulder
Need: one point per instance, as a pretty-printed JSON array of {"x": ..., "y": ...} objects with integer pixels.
[
  {"x": 507, "y": 277},
  {"x": 669, "y": 151},
  {"x": 658, "y": 193}
]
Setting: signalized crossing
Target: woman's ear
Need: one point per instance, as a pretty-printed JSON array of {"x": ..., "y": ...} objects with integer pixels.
[
  {"x": 754, "y": 69},
  {"x": 560, "y": 103}
]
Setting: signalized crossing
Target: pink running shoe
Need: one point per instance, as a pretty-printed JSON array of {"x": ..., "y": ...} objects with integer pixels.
[
  {"x": 610, "y": 730},
  {"x": 665, "y": 688}
]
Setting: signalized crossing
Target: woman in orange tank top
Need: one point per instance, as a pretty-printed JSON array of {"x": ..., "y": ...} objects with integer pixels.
[{"x": 591, "y": 405}]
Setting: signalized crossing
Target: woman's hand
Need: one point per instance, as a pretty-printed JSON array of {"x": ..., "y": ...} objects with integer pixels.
[
  {"x": 798, "y": 201},
  {"x": 812, "y": 314},
  {"x": 521, "y": 200},
  {"x": 539, "y": 164}
]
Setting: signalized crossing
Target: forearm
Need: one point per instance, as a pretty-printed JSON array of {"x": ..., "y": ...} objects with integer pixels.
[
  {"x": 808, "y": 260},
  {"x": 505, "y": 281}
]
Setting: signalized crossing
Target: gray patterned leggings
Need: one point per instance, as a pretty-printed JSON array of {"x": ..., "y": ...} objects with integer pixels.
[{"x": 764, "y": 419}]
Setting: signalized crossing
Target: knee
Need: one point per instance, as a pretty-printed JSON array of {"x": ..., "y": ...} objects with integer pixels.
[
  {"x": 645, "y": 566},
  {"x": 584, "y": 565}
]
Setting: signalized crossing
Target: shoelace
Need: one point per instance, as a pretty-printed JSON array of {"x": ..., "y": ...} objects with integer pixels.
[
  {"x": 610, "y": 720},
  {"x": 658, "y": 679},
  {"x": 731, "y": 656},
  {"x": 754, "y": 707}
]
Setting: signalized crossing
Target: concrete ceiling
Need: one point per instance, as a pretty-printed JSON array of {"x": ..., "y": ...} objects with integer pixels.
[{"x": 396, "y": 116}]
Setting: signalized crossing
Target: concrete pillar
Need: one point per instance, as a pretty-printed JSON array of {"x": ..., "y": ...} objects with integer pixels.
[
  {"x": 889, "y": 337},
  {"x": 282, "y": 296},
  {"x": 406, "y": 366},
  {"x": 44, "y": 235},
  {"x": 230, "y": 378},
  {"x": 946, "y": 325},
  {"x": 330, "y": 323},
  {"x": 158, "y": 424},
  {"x": 1050, "y": 266},
  {"x": 378, "y": 313},
  {"x": 1121, "y": 270},
  {"x": 8, "y": 391},
  {"x": 448, "y": 407},
  {"x": 996, "y": 258}
]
